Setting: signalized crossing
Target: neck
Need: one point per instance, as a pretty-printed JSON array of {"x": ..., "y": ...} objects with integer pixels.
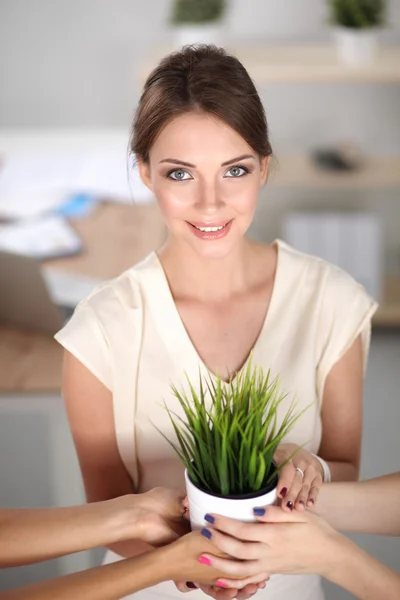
[{"x": 209, "y": 279}]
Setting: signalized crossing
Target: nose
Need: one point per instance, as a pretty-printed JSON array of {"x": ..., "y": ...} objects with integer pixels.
[{"x": 208, "y": 200}]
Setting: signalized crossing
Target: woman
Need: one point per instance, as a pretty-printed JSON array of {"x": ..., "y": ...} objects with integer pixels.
[
  {"x": 208, "y": 298},
  {"x": 305, "y": 543}
]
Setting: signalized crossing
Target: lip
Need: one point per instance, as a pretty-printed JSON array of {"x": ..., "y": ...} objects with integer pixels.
[
  {"x": 210, "y": 235},
  {"x": 213, "y": 224}
]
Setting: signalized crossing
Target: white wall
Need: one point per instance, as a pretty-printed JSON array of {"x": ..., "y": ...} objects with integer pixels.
[
  {"x": 301, "y": 20},
  {"x": 74, "y": 64}
]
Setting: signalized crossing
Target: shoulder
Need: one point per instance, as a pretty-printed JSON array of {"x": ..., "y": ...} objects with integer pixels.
[
  {"x": 121, "y": 294},
  {"x": 318, "y": 275}
]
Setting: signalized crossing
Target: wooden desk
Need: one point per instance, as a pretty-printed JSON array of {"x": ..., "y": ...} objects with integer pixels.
[{"x": 115, "y": 236}]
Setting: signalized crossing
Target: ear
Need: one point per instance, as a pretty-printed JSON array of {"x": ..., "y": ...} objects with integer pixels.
[
  {"x": 145, "y": 175},
  {"x": 264, "y": 164}
]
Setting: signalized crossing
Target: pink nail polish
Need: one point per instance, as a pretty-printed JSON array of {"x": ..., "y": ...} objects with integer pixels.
[
  {"x": 204, "y": 561},
  {"x": 221, "y": 584}
]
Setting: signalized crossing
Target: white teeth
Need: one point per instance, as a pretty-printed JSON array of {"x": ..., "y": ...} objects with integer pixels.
[{"x": 208, "y": 229}]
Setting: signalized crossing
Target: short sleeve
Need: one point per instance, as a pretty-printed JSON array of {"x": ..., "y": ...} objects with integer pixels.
[
  {"x": 83, "y": 337},
  {"x": 346, "y": 313}
]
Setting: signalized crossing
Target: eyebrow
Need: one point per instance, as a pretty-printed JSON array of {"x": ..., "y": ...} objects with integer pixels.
[{"x": 176, "y": 161}]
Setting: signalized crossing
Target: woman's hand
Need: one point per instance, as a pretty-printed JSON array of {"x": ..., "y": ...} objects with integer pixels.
[
  {"x": 217, "y": 592},
  {"x": 155, "y": 517},
  {"x": 298, "y": 542},
  {"x": 184, "y": 557},
  {"x": 300, "y": 479}
]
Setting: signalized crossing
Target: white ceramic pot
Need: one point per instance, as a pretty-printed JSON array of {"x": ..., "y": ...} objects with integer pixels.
[
  {"x": 201, "y": 503},
  {"x": 356, "y": 47},
  {"x": 211, "y": 33}
]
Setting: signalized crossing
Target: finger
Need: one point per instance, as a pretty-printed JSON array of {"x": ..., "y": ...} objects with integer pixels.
[
  {"x": 183, "y": 587},
  {"x": 286, "y": 476},
  {"x": 262, "y": 584},
  {"x": 293, "y": 490},
  {"x": 247, "y": 568},
  {"x": 246, "y": 592},
  {"x": 260, "y": 580},
  {"x": 232, "y": 546},
  {"x": 274, "y": 514},
  {"x": 219, "y": 593},
  {"x": 248, "y": 532},
  {"x": 302, "y": 497},
  {"x": 313, "y": 495}
]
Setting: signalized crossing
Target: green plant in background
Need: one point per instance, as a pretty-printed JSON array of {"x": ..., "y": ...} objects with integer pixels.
[
  {"x": 358, "y": 14},
  {"x": 228, "y": 444},
  {"x": 197, "y": 11}
]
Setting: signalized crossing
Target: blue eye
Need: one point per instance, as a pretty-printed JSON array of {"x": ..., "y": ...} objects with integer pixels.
[
  {"x": 179, "y": 175},
  {"x": 236, "y": 171}
]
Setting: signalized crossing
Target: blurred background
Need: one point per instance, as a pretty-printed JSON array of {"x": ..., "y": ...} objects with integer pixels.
[{"x": 73, "y": 211}]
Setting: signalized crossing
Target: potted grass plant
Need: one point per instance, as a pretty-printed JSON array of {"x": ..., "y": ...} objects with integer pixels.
[
  {"x": 198, "y": 21},
  {"x": 356, "y": 24},
  {"x": 226, "y": 438}
]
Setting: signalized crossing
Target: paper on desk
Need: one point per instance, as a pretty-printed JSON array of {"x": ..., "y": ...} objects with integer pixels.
[
  {"x": 31, "y": 185},
  {"x": 46, "y": 237},
  {"x": 114, "y": 176},
  {"x": 68, "y": 289}
]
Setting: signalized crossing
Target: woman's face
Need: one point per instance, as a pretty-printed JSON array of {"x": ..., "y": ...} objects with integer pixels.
[{"x": 206, "y": 179}]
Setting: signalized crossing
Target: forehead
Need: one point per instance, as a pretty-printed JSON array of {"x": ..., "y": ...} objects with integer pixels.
[{"x": 193, "y": 136}]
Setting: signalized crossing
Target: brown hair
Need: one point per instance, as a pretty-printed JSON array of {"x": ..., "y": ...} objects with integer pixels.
[{"x": 200, "y": 78}]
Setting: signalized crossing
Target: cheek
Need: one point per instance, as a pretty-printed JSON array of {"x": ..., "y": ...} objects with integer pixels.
[
  {"x": 172, "y": 202},
  {"x": 242, "y": 197}
]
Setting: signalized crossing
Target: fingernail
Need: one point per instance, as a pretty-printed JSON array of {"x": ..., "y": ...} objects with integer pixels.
[
  {"x": 302, "y": 502},
  {"x": 191, "y": 585},
  {"x": 221, "y": 584},
  {"x": 206, "y": 533},
  {"x": 204, "y": 561},
  {"x": 209, "y": 518},
  {"x": 311, "y": 501},
  {"x": 290, "y": 505},
  {"x": 283, "y": 492},
  {"x": 259, "y": 511}
]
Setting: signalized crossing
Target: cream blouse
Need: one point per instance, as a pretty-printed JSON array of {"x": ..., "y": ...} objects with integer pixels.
[{"x": 129, "y": 334}]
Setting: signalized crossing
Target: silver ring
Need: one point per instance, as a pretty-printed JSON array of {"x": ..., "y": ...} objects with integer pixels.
[{"x": 300, "y": 471}]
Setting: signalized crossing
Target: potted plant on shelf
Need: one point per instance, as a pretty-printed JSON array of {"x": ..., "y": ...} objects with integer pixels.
[
  {"x": 226, "y": 437},
  {"x": 356, "y": 24},
  {"x": 198, "y": 21}
]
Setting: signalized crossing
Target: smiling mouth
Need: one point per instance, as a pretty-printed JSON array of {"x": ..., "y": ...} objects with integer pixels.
[{"x": 210, "y": 228}]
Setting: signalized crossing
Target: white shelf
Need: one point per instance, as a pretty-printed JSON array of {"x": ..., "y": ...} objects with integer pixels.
[
  {"x": 305, "y": 63},
  {"x": 300, "y": 171},
  {"x": 317, "y": 63}
]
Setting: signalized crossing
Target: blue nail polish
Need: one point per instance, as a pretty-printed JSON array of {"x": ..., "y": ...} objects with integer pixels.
[
  {"x": 206, "y": 533},
  {"x": 209, "y": 518},
  {"x": 259, "y": 511}
]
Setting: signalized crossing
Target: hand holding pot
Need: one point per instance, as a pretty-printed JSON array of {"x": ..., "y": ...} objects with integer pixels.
[
  {"x": 155, "y": 517},
  {"x": 186, "y": 553},
  {"x": 280, "y": 543},
  {"x": 300, "y": 479}
]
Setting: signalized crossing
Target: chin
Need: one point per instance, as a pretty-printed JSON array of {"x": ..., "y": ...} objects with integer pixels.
[{"x": 213, "y": 250}]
